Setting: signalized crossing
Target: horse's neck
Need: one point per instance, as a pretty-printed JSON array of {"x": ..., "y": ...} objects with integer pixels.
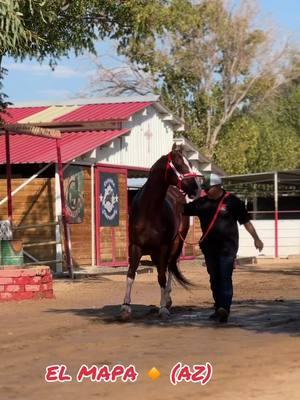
[{"x": 155, "y": 190}]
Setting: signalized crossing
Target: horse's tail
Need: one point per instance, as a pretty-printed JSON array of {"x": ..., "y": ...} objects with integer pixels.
[{"x": 179, "y": 277}]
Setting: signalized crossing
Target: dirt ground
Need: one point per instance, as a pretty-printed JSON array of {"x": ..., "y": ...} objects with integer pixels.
[{"x": 254, "y": 356}]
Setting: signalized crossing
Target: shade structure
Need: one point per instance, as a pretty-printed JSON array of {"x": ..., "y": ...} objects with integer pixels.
[{"x": 26, "y": 149}]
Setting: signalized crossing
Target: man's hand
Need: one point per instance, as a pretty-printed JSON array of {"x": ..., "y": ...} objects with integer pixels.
[{"x": 258, "y": 244}]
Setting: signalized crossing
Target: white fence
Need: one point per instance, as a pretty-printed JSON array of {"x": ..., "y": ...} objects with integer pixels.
[{"x": 288, "y": 238}]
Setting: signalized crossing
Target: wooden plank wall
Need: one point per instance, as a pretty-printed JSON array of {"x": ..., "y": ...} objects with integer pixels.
[
  {"x": 81, "y": 233},
  {"x": 33, "y": 205}
]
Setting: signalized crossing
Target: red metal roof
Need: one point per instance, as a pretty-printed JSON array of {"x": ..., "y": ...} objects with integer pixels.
[
  {"x": 27, "y": 149},
  {"x": 103, "y": 112},
  {"x": 13, "y": 114}
]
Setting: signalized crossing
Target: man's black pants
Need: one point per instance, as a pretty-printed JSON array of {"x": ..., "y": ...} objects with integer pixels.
[{"x": 220, "y": 269}]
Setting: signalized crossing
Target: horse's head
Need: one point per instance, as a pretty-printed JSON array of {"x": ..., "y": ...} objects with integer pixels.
[{"x": 179, "y": 172}]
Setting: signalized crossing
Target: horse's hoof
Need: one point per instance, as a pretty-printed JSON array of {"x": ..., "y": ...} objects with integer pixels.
[
  {"x": 125, "y": 313},
  {"x": 164, "y": 313},
  {"x": 169, "y": 304}
]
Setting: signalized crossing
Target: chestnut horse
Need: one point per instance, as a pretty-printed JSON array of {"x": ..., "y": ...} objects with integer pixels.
[{"x": 157, "y": 226}]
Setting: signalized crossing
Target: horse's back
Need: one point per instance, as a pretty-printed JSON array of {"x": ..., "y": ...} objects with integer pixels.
[{"x": 152, "y": 228}]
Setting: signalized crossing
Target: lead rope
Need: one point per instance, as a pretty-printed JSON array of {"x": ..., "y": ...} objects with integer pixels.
[{"x": 210, "y": 225}]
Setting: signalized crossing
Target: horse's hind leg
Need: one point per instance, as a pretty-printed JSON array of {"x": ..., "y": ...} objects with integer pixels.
[
  {"x": 168, "y": 291},
  {"x": 135, "y": 254},
  {"x": 162, "y": 280}
]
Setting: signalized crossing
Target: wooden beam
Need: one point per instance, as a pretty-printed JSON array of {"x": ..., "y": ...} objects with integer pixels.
[{"x": 15, "y": 129}]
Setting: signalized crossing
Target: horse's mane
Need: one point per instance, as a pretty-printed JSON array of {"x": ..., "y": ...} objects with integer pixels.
[{"x": 157, "y": 165}]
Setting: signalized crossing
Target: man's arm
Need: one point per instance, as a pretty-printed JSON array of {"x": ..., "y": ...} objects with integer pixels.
[
  {"x": 191, "y": 209},
  {"x": 257, "y": 242}
]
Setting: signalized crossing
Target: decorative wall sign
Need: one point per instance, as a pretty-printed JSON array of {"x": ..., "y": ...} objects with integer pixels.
[
  {"x": 5, "y": 230},
  {"x": 109, "y": 199},
  {"x": 74, "y": 193}
]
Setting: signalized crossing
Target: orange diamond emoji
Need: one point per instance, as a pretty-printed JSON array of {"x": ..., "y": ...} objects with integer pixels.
[{"x": 154, "y": 373}]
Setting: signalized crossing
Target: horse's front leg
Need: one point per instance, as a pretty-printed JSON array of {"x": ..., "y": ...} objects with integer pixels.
[{"x": 135, "y": 254}]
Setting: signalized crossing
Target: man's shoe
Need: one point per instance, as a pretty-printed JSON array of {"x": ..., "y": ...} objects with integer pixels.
[{"x": 222, "y": 315}]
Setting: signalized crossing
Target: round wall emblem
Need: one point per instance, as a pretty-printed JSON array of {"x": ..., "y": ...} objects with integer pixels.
[{"x": 74, "y": 193}]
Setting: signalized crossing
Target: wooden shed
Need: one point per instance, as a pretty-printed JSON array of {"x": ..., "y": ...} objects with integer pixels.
[{"x": 104, "y": 143}]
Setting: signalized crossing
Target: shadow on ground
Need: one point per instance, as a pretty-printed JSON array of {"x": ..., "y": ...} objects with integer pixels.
[{"x": 277, "y": 316}]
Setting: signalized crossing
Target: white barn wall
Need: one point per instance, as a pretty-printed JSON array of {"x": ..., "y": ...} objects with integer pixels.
[
  {"x": 132, "y": 149},
  {"x": 288, "y": 238}
]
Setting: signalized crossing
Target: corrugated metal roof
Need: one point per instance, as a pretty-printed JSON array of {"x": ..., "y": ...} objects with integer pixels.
[
  {"x": 74, "y": 113},
  {"x": 103, "y": 112},
  {"x": 48, "y": 115},
  {"x": 13, "y": 114},
  {"x": 27, "y": 149}
]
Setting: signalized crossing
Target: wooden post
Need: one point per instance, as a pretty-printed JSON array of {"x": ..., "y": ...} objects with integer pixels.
[
  {"x": 64, "y": 214},
  {"x": 93, "y": 213},
  {"x": 276, "y": 213},
  {"x": 8, "y": 178}
]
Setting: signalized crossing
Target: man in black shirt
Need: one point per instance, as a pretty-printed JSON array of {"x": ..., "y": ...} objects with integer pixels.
[{"x": 219, "y": 212}]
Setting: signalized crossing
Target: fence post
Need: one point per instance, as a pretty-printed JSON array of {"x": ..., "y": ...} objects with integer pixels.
[{"x": 276, "y": 212}]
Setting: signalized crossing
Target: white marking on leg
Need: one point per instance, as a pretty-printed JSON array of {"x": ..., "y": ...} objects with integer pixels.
[
  {"x": 163, "y": 298},
  {"x": 129, "y": 284},
  {"x": 125, "y": 308},
  {"x": 163, "y": 311}
]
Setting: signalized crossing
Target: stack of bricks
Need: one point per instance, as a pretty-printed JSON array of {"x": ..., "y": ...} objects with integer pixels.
[{"x": 26, "y": 284}]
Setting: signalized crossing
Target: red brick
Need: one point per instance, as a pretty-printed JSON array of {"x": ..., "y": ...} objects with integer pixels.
[
  {"x": 2, "y": 288},
  {"x": 36, "y": 280},
  {"x": 23, "y": 296},
  {"x": 47, "y": 286},
  {"x": 46, "y": 278},
  {"x": 42, "y": 270},
  {"x": 6, "y": 281},
  {"x": 14, "y": 288},
  {"x": 32, "y": 288},
  {"x": 6, "y": 296},
  {"x": 10, "y": 273},
  {"x": 22, "y": 280},
  {"x": 29, "y": 272}
]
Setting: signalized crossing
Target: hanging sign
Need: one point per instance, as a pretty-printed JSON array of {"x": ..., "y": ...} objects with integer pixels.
[{"x": 109, "y": 199}]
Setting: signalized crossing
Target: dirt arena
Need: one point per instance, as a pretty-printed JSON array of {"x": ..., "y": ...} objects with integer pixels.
[{"x": 254, "y": 356}]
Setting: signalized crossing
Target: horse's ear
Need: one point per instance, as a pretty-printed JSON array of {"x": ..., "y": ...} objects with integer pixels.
[
  {"x": 174, "y": 147},
  {"x": 178, "y": 148}
]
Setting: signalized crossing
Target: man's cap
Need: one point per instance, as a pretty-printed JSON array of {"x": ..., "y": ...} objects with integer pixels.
[{"x": 210, "y": 180}]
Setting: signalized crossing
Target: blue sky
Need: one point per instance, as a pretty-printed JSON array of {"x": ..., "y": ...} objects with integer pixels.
[{"x": 30, "y": 81}]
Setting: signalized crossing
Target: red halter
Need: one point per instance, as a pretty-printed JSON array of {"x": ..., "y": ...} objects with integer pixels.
[{"x": 179, "y": 175}]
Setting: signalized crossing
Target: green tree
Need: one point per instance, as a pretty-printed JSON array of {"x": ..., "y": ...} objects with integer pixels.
[
  {"x": 250, "y": 146},
  {"x": 265, "y": 140},
  {"x": 236, "y": 152},
  {"x": 206, "y": 59},
  {"x": 39, "y": 29}
]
